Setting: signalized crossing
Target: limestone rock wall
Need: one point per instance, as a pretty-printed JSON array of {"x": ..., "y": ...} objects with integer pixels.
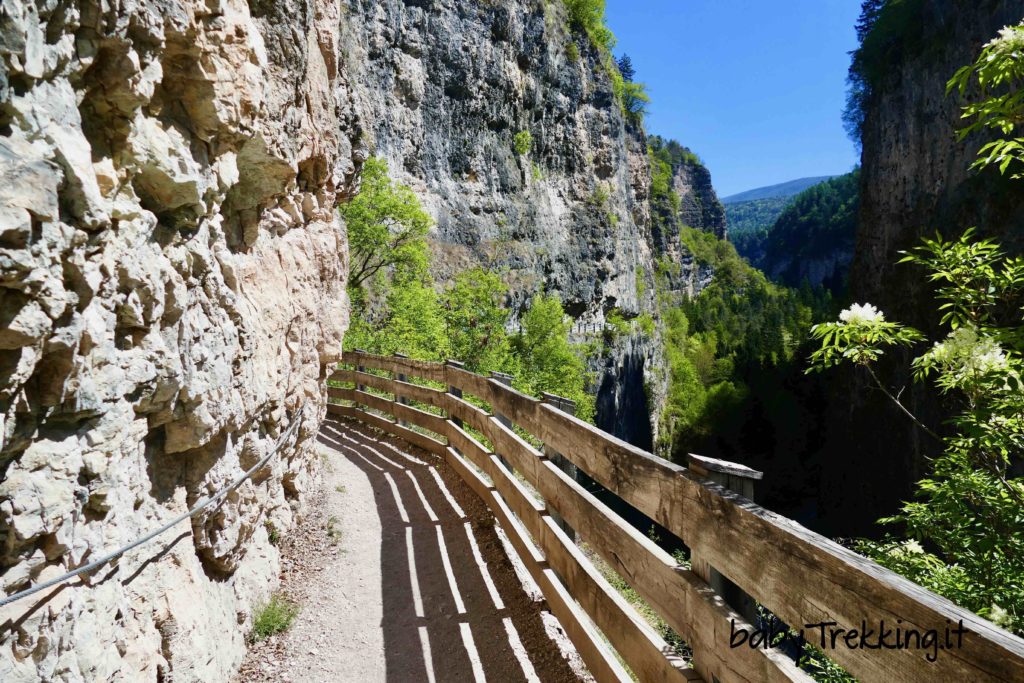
[
  {"x": 915, "y": 175},
  {"x": 172, "y": 278},
  {"x": 448, "y": 85},
  {"x": 699, "y": 205}
]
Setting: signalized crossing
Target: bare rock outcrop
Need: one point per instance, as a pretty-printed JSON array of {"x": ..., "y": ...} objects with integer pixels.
[
  {"x": 448, "y": 86},
  {"x": 172, "y": 290}
]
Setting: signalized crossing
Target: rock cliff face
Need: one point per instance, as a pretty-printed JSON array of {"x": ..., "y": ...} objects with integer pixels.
[
  {"x": 916, "y": 176},
  {"x": 172, "y": 290},
  {"x": 915, "y": 180},
  {"x": 699, "y": 206},
  {"x": 448, "y": 86}
]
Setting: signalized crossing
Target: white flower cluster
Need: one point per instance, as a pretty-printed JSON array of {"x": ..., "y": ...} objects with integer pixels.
[
  {"x": 1009, "y": 40},
  {"x": 858, "y": 314},
  {"x": 966, "y": 353}
]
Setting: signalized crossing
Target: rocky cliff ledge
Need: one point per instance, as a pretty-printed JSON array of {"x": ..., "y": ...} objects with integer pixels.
[{"x": 172, "y": 290}]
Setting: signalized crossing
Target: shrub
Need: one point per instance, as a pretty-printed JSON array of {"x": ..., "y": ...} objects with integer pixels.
[
  {"x": 998, "y": 74},
  {"x": 273, "y": 617},
  {"x": 475, "y": 318},
  {"x": 969, "y": 512},
  {"x": 547, "y": 361},
  {"x": 522, "y": 142},
  {"x": 273, "y": 535},
  {"x": 588, "y": 16}
]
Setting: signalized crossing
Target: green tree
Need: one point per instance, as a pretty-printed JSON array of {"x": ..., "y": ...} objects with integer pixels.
[
  {"x": 546, "y": 360},
  {"x": 386, "y": 226},
  {"x": 738, "y": 326},
  {"x": 475, "y": 318}
]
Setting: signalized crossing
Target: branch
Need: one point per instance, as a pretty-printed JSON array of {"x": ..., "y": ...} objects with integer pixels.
[{"x": 895, "y": 400}]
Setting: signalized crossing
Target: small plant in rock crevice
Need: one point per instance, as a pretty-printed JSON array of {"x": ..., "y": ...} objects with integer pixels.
[{"x": 273, "y": 535}]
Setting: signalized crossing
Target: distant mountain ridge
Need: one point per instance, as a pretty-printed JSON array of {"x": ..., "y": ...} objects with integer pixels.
[{"x": 786, "y": 189}]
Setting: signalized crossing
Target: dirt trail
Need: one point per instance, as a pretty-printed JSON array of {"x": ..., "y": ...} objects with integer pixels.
[{"x": 401, "y": 577}]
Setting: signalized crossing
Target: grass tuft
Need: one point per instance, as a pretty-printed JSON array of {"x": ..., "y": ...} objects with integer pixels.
[{"x": 273, "y": 617}]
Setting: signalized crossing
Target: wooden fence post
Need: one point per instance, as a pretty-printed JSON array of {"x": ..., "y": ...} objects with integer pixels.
[
  {"x": 400, "y": 376},
  {"x": 454, "y": 390},
  {"x": 740, "y": 479},
  {"x": 360, "y": 368},
  {"x": 560, "y": 461},
  {"x": 507, "y": 381}
]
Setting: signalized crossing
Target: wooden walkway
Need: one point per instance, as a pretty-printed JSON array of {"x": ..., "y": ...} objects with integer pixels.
[{"x": 498, "y": 440}]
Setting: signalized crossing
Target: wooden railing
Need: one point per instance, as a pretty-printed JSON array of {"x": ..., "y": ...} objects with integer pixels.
[{"x": 801, "y": 577}]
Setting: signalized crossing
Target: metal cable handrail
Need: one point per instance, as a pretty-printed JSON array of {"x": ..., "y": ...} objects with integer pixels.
[{"x": 95, "y": 564}]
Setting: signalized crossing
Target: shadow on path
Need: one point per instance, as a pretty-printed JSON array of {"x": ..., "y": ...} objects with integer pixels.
[{"x": 454, "y": 609}]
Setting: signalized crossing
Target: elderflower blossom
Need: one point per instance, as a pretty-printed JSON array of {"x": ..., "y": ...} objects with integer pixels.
[
  {"x": 1009, "y": 40},
  {"x": 966, "y": 353},
  {"x": 858, "y": 314},
  {"x": 999, "y": 616}
]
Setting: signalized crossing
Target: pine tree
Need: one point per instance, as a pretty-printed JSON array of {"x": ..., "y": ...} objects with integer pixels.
[{"x": 626, "y": 68}]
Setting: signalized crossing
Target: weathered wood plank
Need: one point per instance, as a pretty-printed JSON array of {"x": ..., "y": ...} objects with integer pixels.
[
  {"x": 644, "y": 651},
  {"x": 648, "y": 655},
  {"x": 801, "y": 576},
  {"x": 341, "y": 394},
  {"x": 416, "y": 368},
  {"x": 343, "y": 411},
  {"x": 678, "y": 595},
  {"x": 469, "y": 382},
  {"x": 526, "y": 507},
  {"x": 420, "y": 418},
  {"x": 596, "y": 655},
  {"x": 480, "y": 486},
  {"x": 600, "y": 660},
  {"x": 706, "y": 625},
  {"x": 416, "y": 392}
]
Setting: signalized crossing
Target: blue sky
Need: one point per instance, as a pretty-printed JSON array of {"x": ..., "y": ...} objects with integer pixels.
[{"x": 755, "y": 88}]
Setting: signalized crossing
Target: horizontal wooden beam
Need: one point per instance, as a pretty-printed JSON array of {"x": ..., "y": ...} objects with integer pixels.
[
  {"x": 799, "y": 575},
  {"x": 393, "y": 364}
]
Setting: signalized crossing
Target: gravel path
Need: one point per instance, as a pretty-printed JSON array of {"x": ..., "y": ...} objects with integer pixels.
[{"x": 402, "y": 577}]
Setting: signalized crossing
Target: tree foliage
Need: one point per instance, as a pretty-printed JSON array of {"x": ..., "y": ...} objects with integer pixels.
[
  {"x": 588, "y": 16},
  {"x": 965, "y": 528},
  {"x": 820, "y": 222},
  {"x": 475, "y": 318},
  {"x": 997, "y": 75},
  {"x": 467, "y": 320},
  {"x": 738, "y": 325},
  {"x": 625, "y": 65},
  {"x": 386, "y": 225},
  {"x": 545, "y": 358}
]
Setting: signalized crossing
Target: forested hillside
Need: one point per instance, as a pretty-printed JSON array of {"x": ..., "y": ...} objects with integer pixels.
[
  {"x": 809, "y": 236},
  {"x": 814, "y": 236}
]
